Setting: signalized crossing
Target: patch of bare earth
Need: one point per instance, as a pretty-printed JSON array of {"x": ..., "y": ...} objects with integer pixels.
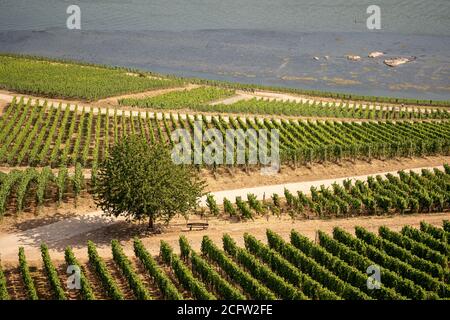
[
  {"x": 187, "y": 294},
  {"x": 121, "y": 281},
  {"x": 14, "y": 283},
  {"x": 61, "y": 267},
  {"x": 3, "y": 105},
  {"x": 50, "y": 213},
  {"x": 96, "y": 284},
  {"x": 43, "y": 287},
  {"x": 147, "y": 280}
]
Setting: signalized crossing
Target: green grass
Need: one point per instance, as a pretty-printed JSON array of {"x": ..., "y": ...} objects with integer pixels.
[{"x": 75, "y": 81}]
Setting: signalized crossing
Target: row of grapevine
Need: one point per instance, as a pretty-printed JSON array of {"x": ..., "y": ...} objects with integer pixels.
[
  {"x": 391, "y": 279},
  {"x": 394, "y": 264},
  {"x": 248, "y": 284},
  {"x": 165, "y": 285},
  {"x": 437, "y": 233},
  {"x": 109, "y": 284},
  {"x": 415, "y": 247},
  {"x": 207, "y": 274},
  {"x": 52, "y": 274},
  {"x": 31, "y": 184},
  {"x": 86, "y": 288},
  {"x": 377, "y": 195},
  {"x": 315, "y": 270},
  {"x": 433, "y": 269},
  {"x": 26, "y": 276},
  {"x": 4, "y": 295},
  {"x": 140, "y": 292},
  {"x": 322, "y": 109},
  {"x": 288, "y": 271},
  {"x": 301, "y": 142},
  {"x": 340, "y": 268},
  {"x": 184, "y": 275},
  {"x": 279, "y": 286},
  {"x": 427, "y": 240}
]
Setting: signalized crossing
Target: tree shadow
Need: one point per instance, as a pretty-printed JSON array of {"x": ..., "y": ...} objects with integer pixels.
[{"x": 99, "y": 229}]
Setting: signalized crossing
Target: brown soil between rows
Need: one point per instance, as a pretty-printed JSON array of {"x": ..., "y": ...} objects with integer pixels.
[
  {"x": 146, "y": 279},
  {"x": 96, "y": 284},
  {"x": 43, "y": 287},
  {"x": 121, "y": 281},
  {"x": 3, "y": 105},
  {"x": 61, "y": 268},
  {"x": 14, "y": 282},
  {"x": 187, "y": 294}
]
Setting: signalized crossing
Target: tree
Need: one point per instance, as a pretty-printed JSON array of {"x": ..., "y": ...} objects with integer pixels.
[{"x": 140, "y": 181}]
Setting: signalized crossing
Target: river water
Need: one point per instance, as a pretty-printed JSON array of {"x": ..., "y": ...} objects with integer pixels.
[{"x": 253, "y": 41}]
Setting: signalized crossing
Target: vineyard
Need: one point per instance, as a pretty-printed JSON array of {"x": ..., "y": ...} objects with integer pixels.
[
  {"x": 187, "y": 99},
  {"x": 200, "y": 100},
  {"x": 326, "y": 109},
  {"x": 406, "y": 193},
  {"x": 35, "y": 135},
  {"x": 66, "y": 80},
  {"x": 22, "y": 189},
  {"x": 413, "y": 264}
]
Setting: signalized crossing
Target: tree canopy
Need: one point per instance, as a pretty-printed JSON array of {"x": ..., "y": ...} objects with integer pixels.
[{"x": 140, "y": 181}]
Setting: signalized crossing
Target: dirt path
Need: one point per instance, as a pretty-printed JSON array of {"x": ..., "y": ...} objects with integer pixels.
[
  {"x": 240, "y": 95},
  {"x": 227, "y": 179},
  {"x": 285, "y": 97},
  {"x": 262, "y": 192},
  {"x": 218, "y": 227},
  {"x": 53, "y": 233}
]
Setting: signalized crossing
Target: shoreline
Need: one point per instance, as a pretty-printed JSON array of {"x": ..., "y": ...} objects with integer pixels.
[{"x": 243, "y": 87}]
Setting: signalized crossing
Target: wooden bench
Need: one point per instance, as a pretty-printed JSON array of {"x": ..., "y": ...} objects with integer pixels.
[{"x": 202, "y": 225}]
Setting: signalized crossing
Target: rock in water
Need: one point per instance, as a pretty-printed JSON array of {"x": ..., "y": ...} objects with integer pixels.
[
  {"x": 376, "y": 54},
  {"x": 353, "y": 58},
  {"x": 398, "y": 61}
]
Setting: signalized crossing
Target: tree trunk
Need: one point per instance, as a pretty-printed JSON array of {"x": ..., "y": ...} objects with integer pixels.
[{"x": 150, "y": 223}]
